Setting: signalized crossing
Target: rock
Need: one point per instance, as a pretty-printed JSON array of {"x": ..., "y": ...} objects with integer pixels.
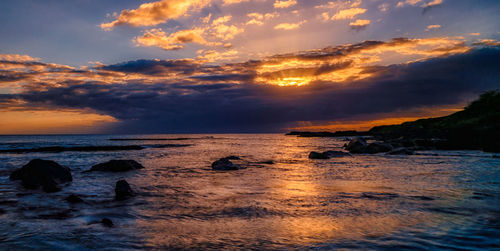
[
  {"x": 107, "y": 222},
  {"x": 357, "y": 145},
  {"x": 317, "y": 155},
  {"x": 73, "y": 199},
  {"x": 123, "y": 190},
  {"x": 42, "y": 173},
  {"x": 378, "y": 147},
  {"x": 332, "y": 154},
  {"x": 232, "y": 157},
  {"x": 267, "y": 162},
  {"x": 225, "y": 164},
  {"x": 328, "y": 154},
  {"x": 401, "y": 151},
  {"x": 117, "y": 166}
]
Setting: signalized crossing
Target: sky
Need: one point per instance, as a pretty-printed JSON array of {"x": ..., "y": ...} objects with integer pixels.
[{"x": 234, "y": 66}]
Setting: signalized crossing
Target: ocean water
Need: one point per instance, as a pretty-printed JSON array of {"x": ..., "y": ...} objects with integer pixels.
[{"x": 433, "y": 200}]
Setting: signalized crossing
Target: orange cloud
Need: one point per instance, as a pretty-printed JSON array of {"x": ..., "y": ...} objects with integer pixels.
[
  {"x": 348, "y": 13},
  {"x": 150, "y": 14},
  {"x": 284, "y": 3},
  {"x": 433, "y": 27},
  {"x": 226, "y": 2},
  {"x": 174, "y": 41},
  {"x": 432, "y": 3},
  {"x": 213, "y": 55},
  {"x": 359, "y": 23},
  {"x": 288, "y": 26},
  {"x": 17, "y": 57}
]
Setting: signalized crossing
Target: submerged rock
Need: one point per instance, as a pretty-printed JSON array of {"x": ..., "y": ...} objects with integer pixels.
[
  {"x": 107, "y": 222},
  {"x": 401, "y": 151},
  {"x": 225, "y": 164},
  {"x": 357, "y": 145},
  {"x": 47, "y": 174},
  {"x": 378, "y": 147},
  {"x": 123, "y": 190},
  {"x": 267, "y": 162},
  {"x": 117, "y": 166},
  {"x": 317, "y": 155},
  {"x": 73, "y": 199},
  {"x": 328, "y": 154}
]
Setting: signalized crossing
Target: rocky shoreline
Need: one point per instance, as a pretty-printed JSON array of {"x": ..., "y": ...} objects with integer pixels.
[{"x": 476, "y": 127}]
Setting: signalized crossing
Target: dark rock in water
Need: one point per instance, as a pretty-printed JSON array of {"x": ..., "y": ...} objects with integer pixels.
[
  {"x": 225, "y": 164},
  {"x": 73, "y": 199},
  {"x": 317, "y": 155},
  {"x": 401, "y": 151},
  {"x": 2, "y": 211},
  {"x": 378, "y": 147},
  {"x": 123, "y": 190},
  {"x": 267, "y": 162},
  {"x": 42, "y": 173},
  {"x": 328, "y": 154},
  {"x": 117, "y": 166},
  {"x": 496, "y": 157},
  {"x": 333, "y": 154},
  {"x": 107, "y": 222},
  {"x": 357, "y": 145}
]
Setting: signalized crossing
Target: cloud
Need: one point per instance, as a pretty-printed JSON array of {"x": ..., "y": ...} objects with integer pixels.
[
  {"x": 343, "y": 82},
  {"x": 279, "y": 4},
  {"x": 174, "y": 41},
  {"x": 433, "y": 27},
  {"x": 154, "y": 13},
  {"x": 17, "y": 57},
  {"x": 258, "y": 18},
  {"x": 383, "y": 7},
  {"x": 226, "y": 2},
  {"x": 475, "y": 34},
  {"x": 487, "y": 42},
  {"x": 359, "y": 24},
  {"x": 213, "y": 55},
  {"x": 288, "y": 26},
  {"x": 408, "y": 2},
  {"x": 348, "y": 13},
  {"x": 432, "y": 3},
  {"x": 224, "y": 31}
]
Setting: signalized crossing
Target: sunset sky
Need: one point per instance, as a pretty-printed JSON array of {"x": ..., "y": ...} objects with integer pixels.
[{"x": 209, "y": 66}]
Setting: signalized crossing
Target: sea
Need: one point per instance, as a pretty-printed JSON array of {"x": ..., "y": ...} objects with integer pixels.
[{"x": 448, "y": 200}]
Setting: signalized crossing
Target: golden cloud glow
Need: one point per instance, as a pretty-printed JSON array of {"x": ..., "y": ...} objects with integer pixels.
[
  {"x": 213, "y": 55},
  {"x": 174, "y": 41},
  {"x": 297, "y": 70},
  {"x": 432, "y": 3},
  {"x": 284, "y": 3},
  {"x": 432, "y": 27},
  {"x": 17, "y": 57},
  {"x": 348, "y": 13},
  {"x": 226, "y": 2},
  {"x": 359, "y": 23},
  {"x": 288, "y": 26},
  {"x": 149, "y": 14}
]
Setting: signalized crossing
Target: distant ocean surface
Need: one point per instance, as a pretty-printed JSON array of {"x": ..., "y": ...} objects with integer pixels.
[{"x": 432, "y": 200}]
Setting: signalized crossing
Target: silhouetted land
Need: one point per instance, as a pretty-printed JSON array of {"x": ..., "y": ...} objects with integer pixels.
[{"x": 477, "y": 126}]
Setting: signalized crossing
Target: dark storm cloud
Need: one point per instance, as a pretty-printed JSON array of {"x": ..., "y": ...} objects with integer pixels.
[{"x": 248, "y": 106}]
